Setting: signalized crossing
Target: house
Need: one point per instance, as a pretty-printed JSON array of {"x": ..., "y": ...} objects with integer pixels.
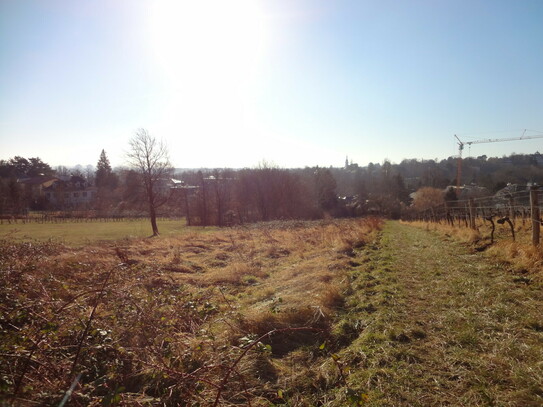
[
  {"x": 468, "y": 191},
  {"x": 70, "y": 192},
  {"x": 34, "y": 190},
  {"x": 35, "y": 185},
  {"x": 165, "y": 186}
]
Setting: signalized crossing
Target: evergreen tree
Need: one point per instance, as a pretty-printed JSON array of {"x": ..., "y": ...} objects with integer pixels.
[{"x": 104, "y": 176}]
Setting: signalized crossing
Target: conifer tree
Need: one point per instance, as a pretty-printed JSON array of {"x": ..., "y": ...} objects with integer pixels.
[{"x": 105, "y": 177}]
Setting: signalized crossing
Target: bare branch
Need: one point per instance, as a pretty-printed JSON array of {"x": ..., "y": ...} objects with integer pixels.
[{"x": 149, "y": 158}]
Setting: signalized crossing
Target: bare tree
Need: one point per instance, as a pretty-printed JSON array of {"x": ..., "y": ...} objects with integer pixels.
[{"x": 149, "y": 158}]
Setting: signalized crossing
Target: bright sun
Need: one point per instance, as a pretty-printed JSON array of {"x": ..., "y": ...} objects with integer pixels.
[
  {"x": 207, "y": 44},
  {"x": 207, "y": 52}
]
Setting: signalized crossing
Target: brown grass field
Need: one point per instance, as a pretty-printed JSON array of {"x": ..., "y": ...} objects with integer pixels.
[
  {"x": 242, "y": 316},
  {"x": 332, "y": 313}
]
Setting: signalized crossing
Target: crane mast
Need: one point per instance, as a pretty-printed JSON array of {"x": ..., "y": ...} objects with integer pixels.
[{"x": 461, "y": 145}]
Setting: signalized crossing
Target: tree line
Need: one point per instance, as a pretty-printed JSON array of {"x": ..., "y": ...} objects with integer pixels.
[{"x": 149, "y": 184}]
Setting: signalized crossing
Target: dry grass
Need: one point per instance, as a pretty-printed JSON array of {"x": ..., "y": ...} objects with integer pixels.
[
  {"x": 175, "y": 314},
  {"x": 524, "y": 256},
  {"x": 462, "y": 234},
  {"x": 443, "y": 326},
  {"x": 520, "y": 254}
]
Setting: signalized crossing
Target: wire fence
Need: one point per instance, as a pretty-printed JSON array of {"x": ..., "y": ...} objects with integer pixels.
[
  {"x": 77, "y": 217},
  {"x": 513, "y": 209}
]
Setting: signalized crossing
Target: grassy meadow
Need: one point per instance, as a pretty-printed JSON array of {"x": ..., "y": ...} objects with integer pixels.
[{"x": 78, "y": 233}]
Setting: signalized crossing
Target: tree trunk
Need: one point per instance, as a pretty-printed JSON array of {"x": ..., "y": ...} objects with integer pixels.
[
  {"x": 152, "y": 208},
  {"x": 204, "y": 201},
  {"x": 152, "y": 215},
  {"x": 187, "y": 206}
]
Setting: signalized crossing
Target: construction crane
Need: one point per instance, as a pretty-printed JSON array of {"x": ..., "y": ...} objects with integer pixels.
[{"x": 461, "y": 145}]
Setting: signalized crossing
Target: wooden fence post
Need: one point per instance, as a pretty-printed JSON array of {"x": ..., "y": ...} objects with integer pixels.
[
  {"x": 471, "y": 204},
  {"x": 536, "y": 218}
]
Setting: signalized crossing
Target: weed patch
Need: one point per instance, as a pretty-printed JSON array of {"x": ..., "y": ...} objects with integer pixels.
[{"x": 191, "y": 319}]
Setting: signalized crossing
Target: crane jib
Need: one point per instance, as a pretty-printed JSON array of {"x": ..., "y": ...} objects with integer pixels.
[{"x": 462, "y": 143}]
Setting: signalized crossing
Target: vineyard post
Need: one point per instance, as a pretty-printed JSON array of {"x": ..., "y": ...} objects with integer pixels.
[
  {"x": 471, "y": 204},
  {"x": 448, "y": 216},
  {"x": 536, "y": 219},
  {"x": 512, "y": 208}
]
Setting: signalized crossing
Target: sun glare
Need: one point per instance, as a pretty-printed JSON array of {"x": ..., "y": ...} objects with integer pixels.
[
  {"x": 219, "y": 39},
  {"x": 208, "y": 54}
]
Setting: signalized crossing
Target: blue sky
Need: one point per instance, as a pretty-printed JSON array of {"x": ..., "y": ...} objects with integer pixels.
[{"x": 292, "y": 82}]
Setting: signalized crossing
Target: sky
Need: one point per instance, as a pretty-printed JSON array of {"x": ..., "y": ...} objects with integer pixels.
[{"x": 292, "y": 83}]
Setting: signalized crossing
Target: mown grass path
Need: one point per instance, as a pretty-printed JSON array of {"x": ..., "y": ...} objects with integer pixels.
[{"x": 444, "y": 326}]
